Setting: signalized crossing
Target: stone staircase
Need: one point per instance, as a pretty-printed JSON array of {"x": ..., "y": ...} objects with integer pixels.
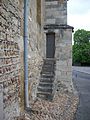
[{"x": 45, "y": 87}]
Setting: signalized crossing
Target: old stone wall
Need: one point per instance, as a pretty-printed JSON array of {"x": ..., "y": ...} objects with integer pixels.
[
  {"x": 11, "y": 50},
  {"x": 63, "y": 55},
  {"x": 55, "y": 12},
  {"x": 35, "y": 47},
  {"x": 56, "y": 22},
  {"x": 63, "y": 58},
  {"x": 11, "y": 55}
]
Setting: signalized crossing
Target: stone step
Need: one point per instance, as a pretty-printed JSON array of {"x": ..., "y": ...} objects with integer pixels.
[
  {"x": 45, "y": 96},
  {"x": 45, "y": 84},
  {"x": 44, "y": 89},
  {"x": 49, "y": 61},
  {"x": 47, "y": 68},
  {"x": 48, "y": 64},
  {"x": 47, "y": 75},
  {"x": 43, "y": 93},
  {"x": 46, "y": 72},
  {"x": 46, "y": 80}
]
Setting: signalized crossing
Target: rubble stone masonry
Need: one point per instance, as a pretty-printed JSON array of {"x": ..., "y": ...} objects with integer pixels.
[{"x": 11, "y": 56}]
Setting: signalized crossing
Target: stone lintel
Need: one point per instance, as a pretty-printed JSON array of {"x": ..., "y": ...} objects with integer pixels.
[{"x": 54, "y": 26}]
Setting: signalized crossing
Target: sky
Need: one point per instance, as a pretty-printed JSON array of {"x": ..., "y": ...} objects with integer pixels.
[{"x": 79, "y": 14}]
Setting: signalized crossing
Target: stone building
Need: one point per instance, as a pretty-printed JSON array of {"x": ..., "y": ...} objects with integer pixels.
[{"x": 49, "y": 52}]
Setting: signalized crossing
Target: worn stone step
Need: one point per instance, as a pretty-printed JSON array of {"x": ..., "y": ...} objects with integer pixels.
[
  {"x": 47, "y": 75},
  {"x": 43, "y": 89},
  {"x": 44, "y": 84},
  {"x": 49, "y": 61},
  {"x": 46, "y": 80},
  {"x": 46, "y": 72},
  {"x": 48, "y": 64},
  {"x": 48, "y": 68},
  {"x": 45, "y": 96},
  {"x": 43, "y": 93},
  {"x": 46, "y": 87}
]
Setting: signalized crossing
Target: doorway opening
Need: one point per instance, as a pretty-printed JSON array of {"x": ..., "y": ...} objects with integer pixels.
[{"x": 50, "y": 45}]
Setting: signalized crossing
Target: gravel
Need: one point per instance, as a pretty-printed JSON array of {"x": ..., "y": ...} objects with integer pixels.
[{"x": 63, "y": 107}]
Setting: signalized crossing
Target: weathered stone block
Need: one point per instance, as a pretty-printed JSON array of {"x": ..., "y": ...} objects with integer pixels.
[
  {"x": 51, "y": 3},
  {"x": 50, "y": 21}
]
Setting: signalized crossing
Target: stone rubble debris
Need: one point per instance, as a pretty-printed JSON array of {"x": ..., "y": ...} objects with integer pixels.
[{"x": 63, "y": 107}]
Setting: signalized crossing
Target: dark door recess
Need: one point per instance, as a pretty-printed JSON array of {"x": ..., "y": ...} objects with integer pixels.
[{"x": 50, "y": 45}]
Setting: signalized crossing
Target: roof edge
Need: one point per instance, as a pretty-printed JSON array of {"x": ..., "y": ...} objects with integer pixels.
[{"x": 55, "y": 26}]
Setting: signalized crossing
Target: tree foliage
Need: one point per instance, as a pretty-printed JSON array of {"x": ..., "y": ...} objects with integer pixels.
[
  {"x": 81, "y": 37},
  {"x": 81, "y": 47}
]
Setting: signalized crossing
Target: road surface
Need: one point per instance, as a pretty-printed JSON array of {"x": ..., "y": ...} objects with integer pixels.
[{"x": 81, "y": 80}]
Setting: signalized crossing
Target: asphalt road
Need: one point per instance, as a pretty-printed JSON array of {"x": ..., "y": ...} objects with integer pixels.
[{"x": 81, "y": 82}]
